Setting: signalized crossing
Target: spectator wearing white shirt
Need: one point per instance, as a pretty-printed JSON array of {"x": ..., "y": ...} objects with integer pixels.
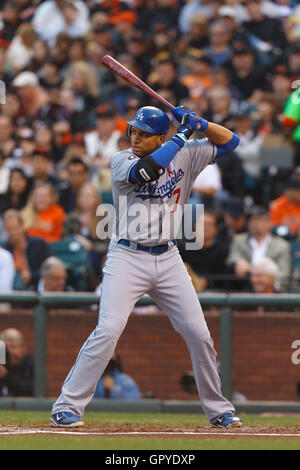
[
  {"x": 55, "y": 16},
  {"x": 7, "y": 270},
  {"x": 20, "y": 51},
  {"x": 102, "y": 144},
  {"x": 207, "y": 185}
]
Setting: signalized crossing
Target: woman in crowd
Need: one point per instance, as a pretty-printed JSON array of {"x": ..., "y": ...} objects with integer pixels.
[
  {"x": 19, "y": 188},
  {"x": 43, "y": 217}
]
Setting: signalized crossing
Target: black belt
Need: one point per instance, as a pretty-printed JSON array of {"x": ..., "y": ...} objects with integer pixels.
[{"x": 157, "y": 250}]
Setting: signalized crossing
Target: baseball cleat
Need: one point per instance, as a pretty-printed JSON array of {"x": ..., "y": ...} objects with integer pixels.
[
  {"x": 227, "y": 420},
  {"x": 66, "y": 419}
]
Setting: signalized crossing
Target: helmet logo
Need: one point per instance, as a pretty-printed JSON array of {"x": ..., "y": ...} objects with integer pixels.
[{"x": 139, "y": 115}]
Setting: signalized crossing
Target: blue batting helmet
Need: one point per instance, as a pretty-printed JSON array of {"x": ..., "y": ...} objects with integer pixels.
[{"x": 151, "y": 119}]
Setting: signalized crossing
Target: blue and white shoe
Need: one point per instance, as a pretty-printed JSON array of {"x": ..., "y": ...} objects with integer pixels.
[
  {"x": 66, "y": 419},
  {"x": 227, "y": 420}
]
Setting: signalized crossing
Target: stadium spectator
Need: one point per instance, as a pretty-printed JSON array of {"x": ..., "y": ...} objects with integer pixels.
[
  {"x": 199, "y": 79},
  {"x": 166, "y": 71},
  {"x": 249, "y": 78},
  {"x": 77, "y": 174},
  {"x": 18, "y": 191},
  {"x": 219, "y": 50},
  {"x": 32, "y": 96},
  {"x": 22, "y": 157},
  {"x": 103, "y": 143},
  {"x": 248, "y": 152},
  {"x": 267, "y": 112},
  {"x": 4, "y": 176},
  {"x": 20, "y": 50},
  {"x": 206, "y": 266},
  {"x": 7, "y": 140},
  {"x": 53, "y": 276},
  {"x": 235, "y": 218},
  {"x": 82, "y": 79},
  {"x": 207, "y": 185},
  {"x": 17, "y": 375},
  {"x": 220, "y": 110},
  {"x": 262, "y": 27},
  {"x": 263, "y": 276},
  {"x": 11, "y": 20},
  {"x": 28, "y": 252},
  {"x": 82, "y": 225},
  {"x": 42, "y": 168},
  {"x": 115, "y": 384},
  {"x": 285, "y": 210},
  {"x": 43, "y": 138},
  {"x": 43, "y": 217},
  {"x": 7, "y": 270},
  {"x": 250, "y": 247},
  {"x": 189, "y": 10},
  {"x": 55, "y": 16},
  {"x": 291, "y": 120}
]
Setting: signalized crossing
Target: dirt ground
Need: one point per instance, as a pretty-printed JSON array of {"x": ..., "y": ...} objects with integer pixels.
[{"x": 245, "y": 432}]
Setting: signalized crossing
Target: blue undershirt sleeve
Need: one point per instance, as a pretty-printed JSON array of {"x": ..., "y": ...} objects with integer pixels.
[
  {"x": 229, "y": 146},
  {"x": 163, "y": 156}
]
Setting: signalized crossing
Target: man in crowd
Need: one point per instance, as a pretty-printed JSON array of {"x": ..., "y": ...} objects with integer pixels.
[
  {"x": 53, "y": 276},
  {"x": 17, "y": 374},
  {"x": 250, "y": 247},
  {"x": 285, "y": 210},
  {"x": 78, "y": 173},
  {"x": 263, "y": 276}
]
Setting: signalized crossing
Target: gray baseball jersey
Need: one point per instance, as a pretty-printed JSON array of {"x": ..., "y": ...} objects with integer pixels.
[
  {"x": 160, "y": 219},
  {"x": 130, "y": 273}
]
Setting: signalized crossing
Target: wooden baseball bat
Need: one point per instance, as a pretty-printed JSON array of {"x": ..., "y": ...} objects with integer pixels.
[{"x": 123, "y": 72}]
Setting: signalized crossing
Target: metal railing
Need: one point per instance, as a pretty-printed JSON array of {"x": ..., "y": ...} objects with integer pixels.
[{"x": 225, "y": 302}]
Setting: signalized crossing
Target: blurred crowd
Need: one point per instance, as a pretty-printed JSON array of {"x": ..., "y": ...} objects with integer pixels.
[{"x": 236, "y": 63}]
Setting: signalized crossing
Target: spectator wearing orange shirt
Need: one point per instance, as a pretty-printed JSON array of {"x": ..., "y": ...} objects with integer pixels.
[
  {"x": 43, "y": 217},
  {"x": 199, "y": 79},
  {"x": 285, "y": 210}
]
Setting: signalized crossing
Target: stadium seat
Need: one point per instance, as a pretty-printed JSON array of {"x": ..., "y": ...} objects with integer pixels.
[
  {"x": 106, "y": 197},
  {"x": 72, "y": 253}
]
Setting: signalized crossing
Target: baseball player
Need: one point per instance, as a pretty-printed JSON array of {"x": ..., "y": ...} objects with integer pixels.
[{"x": 152, "y": 174}]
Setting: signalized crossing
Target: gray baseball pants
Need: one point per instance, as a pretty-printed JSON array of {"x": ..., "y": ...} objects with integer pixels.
[{"x": 128, "y": 275}]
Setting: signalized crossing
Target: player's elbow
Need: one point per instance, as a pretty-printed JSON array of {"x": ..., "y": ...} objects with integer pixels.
[{"x": 229, "y": 146}]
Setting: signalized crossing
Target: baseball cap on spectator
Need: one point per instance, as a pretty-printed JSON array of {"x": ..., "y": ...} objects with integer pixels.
[
  {"x": 26, "y": 134},
  {"x": 240, "y": 47},
  {"x": 106, "y": 111},
  {"x": 25, "y": 79},
  {"x": 196, "y": 54},
  {"x": 258, "y": 211},
  {"x": 227, "y": 10},
  {"x": 125, "y": 16},
  {"x": 235, "y": 208}
]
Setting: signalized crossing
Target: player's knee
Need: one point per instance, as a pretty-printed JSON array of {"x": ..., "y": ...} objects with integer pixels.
[{"x": 195, "y": 333}]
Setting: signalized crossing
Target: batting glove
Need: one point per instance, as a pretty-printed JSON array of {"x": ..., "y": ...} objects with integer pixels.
[
  {"x": 184, "y": 132},
  {"x": 180, "y": 111}
]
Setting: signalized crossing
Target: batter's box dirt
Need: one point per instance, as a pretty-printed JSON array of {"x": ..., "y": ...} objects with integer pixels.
[{"x": 200, "y": 432}]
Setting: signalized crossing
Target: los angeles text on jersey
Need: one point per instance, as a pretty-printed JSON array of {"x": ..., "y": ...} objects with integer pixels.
[{"x": 154, "y": 190}]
